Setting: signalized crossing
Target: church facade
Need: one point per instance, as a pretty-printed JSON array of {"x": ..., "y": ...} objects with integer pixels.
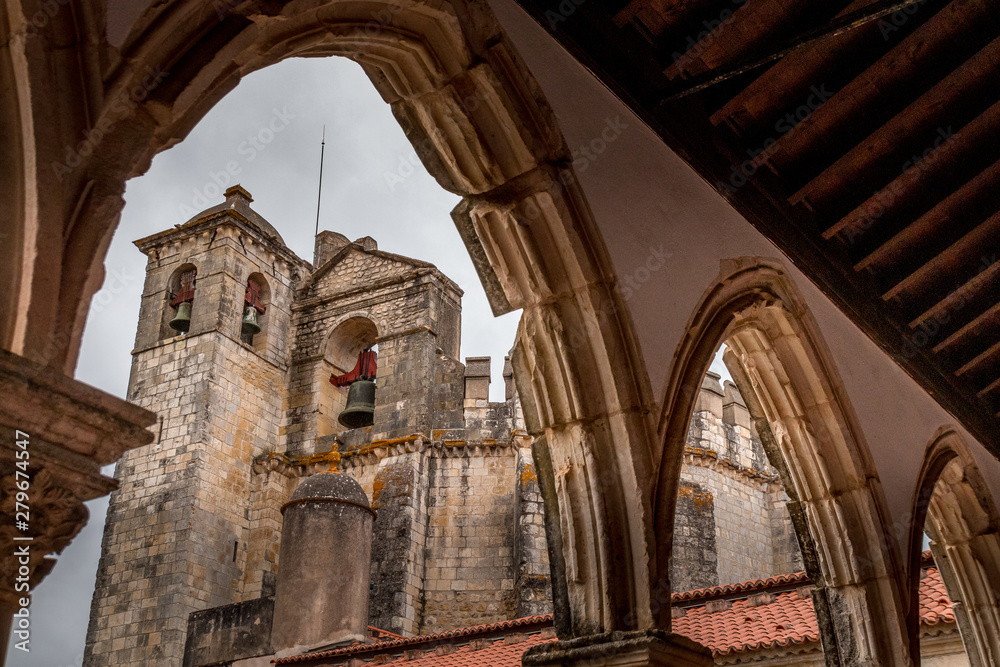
[{"x": 245, "y": 413}]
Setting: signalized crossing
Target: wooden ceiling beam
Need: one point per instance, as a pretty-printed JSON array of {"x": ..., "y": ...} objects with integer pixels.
[
  {"x": 968, "y": 254},
  {"x": 977, "y": 140},
  {"x": 740, "y": 33},
  {"x": 768, "y": 96},
  {"x": 965, "y": 293},
  {"x": 990, "y": 353},
  {"x": 658, "y": 16},
  {"x": 878, "y": 92},
  {"x": 989, "y": 316},
  {"x": 922, "y": 124},
  {"x": 853, "y": 21},
  {"x": 976, "y": 199}
]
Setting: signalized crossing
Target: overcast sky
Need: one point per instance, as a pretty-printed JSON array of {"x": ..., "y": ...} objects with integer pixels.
[{"x": 267, "y": 132}]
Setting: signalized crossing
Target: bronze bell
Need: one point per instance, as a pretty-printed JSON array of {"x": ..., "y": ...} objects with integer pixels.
[
  {"x": 360, "y": 408},
  {"x": 182, "y": 320},
  {"x": 250, "y": 327}
]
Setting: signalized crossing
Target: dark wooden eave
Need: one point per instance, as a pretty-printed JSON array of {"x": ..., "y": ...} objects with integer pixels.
[{"x": 883, "y": 185}]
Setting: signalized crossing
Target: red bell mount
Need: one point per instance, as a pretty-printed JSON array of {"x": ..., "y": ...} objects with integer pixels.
[
  {"x": 252, "y": 296},
  {"x": 186, "y": 292},
  {"x": 364, "y": 370}
]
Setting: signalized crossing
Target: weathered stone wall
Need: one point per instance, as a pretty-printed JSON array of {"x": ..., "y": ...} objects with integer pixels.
[
  {"x": 459, "y": 537},
  {"x": 416, "y": 312},
  {"x": 448, "y": 397},
  {"x": 532, "y": 583},
  {"x": 694, "y": 560},
  {"x": 399, "y": 494},
  {"x": 471, "y": 533},
  {"x": 271, "y": 490},
  {"x": 742, "y": 512},
  {"x": 221, "y": 635},
  {"x": 728, "y": 488},
  {"x": 177, "y": 528}
]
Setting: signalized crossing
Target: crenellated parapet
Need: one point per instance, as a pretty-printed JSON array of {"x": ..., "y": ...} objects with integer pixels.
[
  {"x": 459, "y": 537},
  {"x": 731, "y": 523}
]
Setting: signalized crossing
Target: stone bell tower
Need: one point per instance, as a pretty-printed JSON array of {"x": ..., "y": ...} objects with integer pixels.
[{"x": 177, "y": 528}]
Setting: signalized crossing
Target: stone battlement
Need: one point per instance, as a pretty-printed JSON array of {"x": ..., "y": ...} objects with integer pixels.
[{"x": 731, "y": 523}]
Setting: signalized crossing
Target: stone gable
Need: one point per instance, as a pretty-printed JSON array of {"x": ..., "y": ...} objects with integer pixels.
[{"x": 354, "y": 268}]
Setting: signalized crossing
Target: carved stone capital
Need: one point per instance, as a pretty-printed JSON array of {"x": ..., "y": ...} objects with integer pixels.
[
  {"x": 55, "y": 515},
  {"x": 55, "y": 434}
]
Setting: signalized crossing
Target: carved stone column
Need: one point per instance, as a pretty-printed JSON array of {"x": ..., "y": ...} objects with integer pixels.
[
  {"x": 55, "y": 434},
  {"x": 650, "y": 648}
]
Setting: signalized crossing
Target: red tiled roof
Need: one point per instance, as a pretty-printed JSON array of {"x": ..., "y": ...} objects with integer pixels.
[
  {"x": 448, "y": 638},
  {"x": 789, "y": 619},
  {"x": 768, "y": 619},
  {"x": 734, "y": 626},
  {"x": 935, "y": 605},
  {"x": 796, "y": 578},
  {"x": 478, "y": 653},
  {"x": 379, "y": 634}
]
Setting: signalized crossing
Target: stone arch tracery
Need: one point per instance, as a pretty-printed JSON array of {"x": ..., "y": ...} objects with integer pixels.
[
  {"x": 483, "y": 130},
  {"x": 789, "y": 383},
  {"x": 954, "y": 507}
]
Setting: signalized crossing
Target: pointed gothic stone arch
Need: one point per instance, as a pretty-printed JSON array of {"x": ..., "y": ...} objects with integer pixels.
[
  {"x": 482, "y": 128},
  {"x": 789, "y": 382},
  {"x": 953, "y": 505}
]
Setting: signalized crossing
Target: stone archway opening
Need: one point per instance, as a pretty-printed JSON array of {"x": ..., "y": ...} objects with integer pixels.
[
  {"x": 806, "y": 427},
  {"x": 482, "y": 129},
  {"x": 958, "y": 515},
  {"x": 731, "y": 522}
]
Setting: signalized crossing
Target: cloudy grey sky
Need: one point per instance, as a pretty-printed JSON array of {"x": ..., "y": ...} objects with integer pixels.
[{"x": 267, "y": 132}]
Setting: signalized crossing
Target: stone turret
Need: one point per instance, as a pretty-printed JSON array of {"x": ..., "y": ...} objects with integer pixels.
[{"x": 326, "y": 544}]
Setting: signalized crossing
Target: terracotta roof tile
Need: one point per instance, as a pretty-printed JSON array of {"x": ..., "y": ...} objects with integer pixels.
[
  {"x": 398, "y": 645},
  {"x": 726, "y": 626},
  {"x": 935, "y": 605},
  {"x": 788, "y": 619},
  {"x": 796, "y": 578}
]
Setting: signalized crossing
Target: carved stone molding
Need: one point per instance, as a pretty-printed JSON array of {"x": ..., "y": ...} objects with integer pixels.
[{"x": 69, "y": 430}]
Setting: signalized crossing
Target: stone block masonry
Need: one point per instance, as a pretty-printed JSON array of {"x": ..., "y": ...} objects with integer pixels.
[
  {"x": 694, "y": 560},
  {"x": 532, "y": 582},
  {"x": 178, "y": 526},
  {"x": 459, "y": 537},
  {"x": 731, "y": 523}
]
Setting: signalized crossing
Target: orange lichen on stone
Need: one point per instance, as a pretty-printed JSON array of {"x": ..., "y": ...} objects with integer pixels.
[{"x": 528, "y": 475}]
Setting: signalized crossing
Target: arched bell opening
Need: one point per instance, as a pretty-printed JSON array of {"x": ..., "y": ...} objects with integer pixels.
[
  {"x": 956, "y": 511},
  {"x": 808, "y": 430},
  {"x": 254, "y": 322},
  {"x": 179, "y": 298},
  {"x": 344, "y": 347}
]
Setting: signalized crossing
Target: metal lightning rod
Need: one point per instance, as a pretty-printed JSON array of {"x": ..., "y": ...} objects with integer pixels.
[{"x": 319, "y": 195}]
